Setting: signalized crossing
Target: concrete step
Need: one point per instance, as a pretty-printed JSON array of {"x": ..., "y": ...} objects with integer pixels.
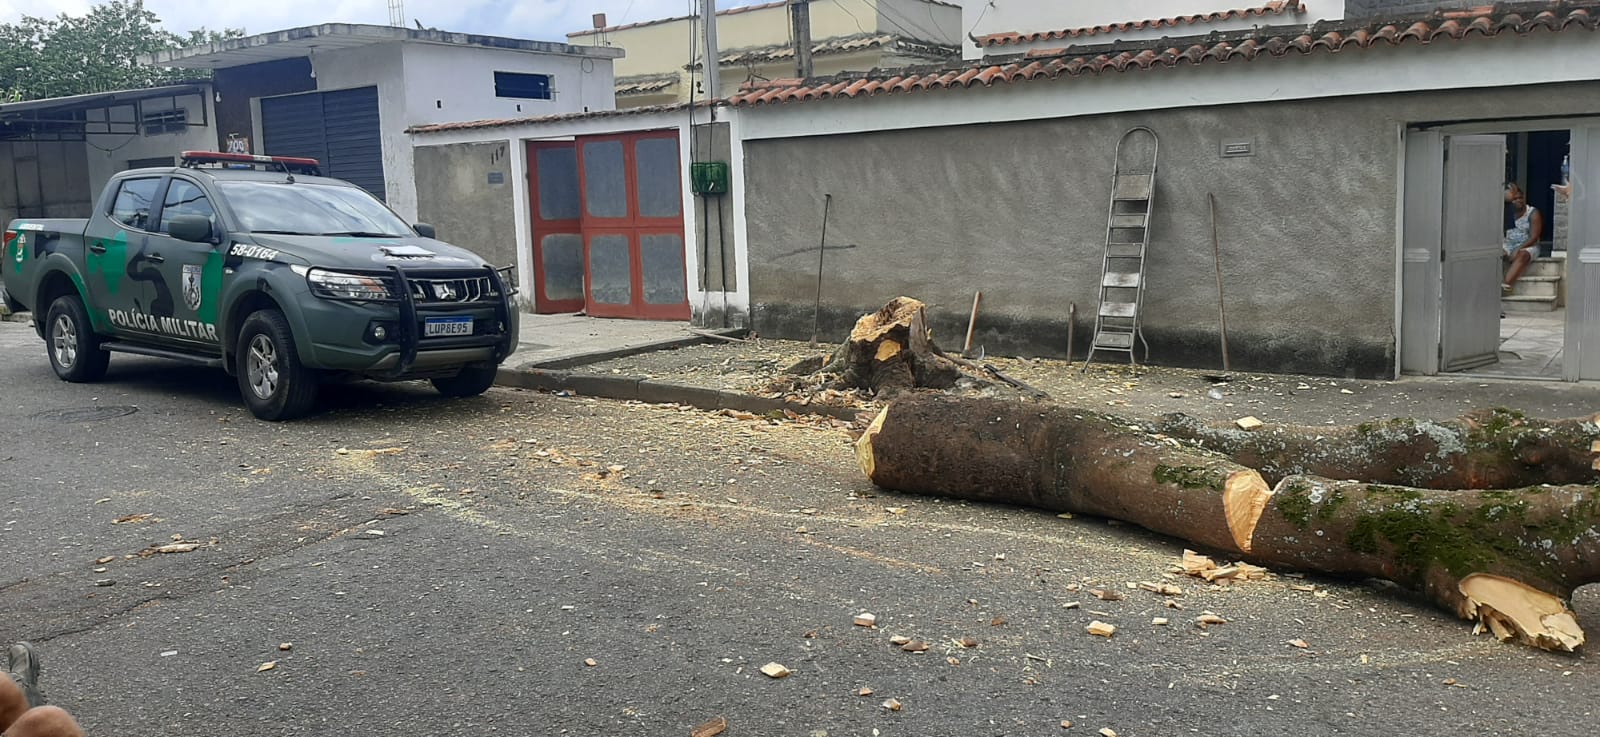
[
  {"x": 1528, "y": 304},
  {"x": 1536, "y": 286},
  {"x": 1547, "y": 267}
]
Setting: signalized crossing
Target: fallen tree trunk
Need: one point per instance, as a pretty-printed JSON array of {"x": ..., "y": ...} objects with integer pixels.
[
  {"x": 1493, "y": 449},
  {"x": 1508, "y": 559}
]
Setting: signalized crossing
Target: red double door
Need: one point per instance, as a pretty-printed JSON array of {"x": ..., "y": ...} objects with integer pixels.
[{"x": 607, "y": 216}]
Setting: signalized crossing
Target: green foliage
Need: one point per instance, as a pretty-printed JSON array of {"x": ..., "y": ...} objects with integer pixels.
[{"x": 94, "y": 52}]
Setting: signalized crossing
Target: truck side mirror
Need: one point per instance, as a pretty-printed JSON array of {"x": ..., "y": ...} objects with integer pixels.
[
  {"x": 425, "y": 230},
  {"x": 192, "y": 228}
]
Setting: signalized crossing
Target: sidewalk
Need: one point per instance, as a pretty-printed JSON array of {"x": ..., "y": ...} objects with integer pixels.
[{"x": 564, "y": 341}]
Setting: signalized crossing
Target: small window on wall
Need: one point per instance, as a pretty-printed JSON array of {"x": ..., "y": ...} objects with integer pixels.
[
  {"x": 522, "y": 86},
  {"x": 157, "y": 122}
]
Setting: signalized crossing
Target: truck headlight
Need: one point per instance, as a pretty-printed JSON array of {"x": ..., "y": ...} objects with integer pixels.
[{"x": 338, "y": 285}]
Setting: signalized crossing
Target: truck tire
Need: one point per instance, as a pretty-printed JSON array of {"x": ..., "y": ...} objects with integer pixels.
[
  {"x": 472, "y": 381},
  {"x": 70, "y": 340},
  {"x": 273, "y": 382}
]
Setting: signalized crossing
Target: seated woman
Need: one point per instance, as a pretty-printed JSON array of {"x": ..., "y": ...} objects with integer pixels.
[{"x": 1522, "y": 239}]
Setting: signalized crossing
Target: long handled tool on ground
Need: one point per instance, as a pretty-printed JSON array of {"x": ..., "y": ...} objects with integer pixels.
[
  {"x": 1216, "y": 251},
  {"x": 822, "y": 250},
  {"x": 972, "y": 324}
]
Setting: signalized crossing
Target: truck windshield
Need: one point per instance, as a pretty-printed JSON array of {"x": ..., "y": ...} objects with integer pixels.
[{"x": 310, "y": 209}]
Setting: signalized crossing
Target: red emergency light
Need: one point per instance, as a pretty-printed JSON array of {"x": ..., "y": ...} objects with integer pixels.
[{"x": 286, "y": 164}]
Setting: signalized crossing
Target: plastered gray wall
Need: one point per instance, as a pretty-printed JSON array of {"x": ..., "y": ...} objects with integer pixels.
[
  {"x": 459, "y": 195},
  {"x": 1018, "y": 210}
]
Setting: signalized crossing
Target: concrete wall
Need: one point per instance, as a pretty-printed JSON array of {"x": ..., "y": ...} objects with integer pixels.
[
  {"x": 661, "y": 48},
  {"x": 453, "y": 83},
  {"x": 985, "y": 17},
  {"x": 717, "y": 270},
  {"x": 109, "y": 153},
  {"x": 1018, "y": 210},
  {"x": 464, "y": 190},
  {"x": 47, "y": 179}
]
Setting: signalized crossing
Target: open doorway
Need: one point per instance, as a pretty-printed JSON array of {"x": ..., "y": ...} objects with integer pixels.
[
  {"x": 1485, "y": 278},
  {"x": 1533, "y": 316}
]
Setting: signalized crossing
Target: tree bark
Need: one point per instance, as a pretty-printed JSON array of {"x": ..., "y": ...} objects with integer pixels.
[
  {"x": 1491, "y": 449},
  {"x": 1508, "y": 559}
]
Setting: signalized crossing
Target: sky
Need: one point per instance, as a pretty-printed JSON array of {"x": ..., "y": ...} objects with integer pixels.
[{"x": 543, "y": 20}]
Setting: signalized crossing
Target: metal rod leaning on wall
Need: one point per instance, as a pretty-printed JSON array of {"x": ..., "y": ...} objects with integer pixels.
[
  {"x": 1072, "y": 326},
  {"x": 822, "y": 250},
  {"x": 1216, "y": 251}
]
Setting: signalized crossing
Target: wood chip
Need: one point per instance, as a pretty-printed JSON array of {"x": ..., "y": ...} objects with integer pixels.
[
  {"x": 1159, "y": 621},
  {"x": 1302, "y": 587},
  {"x": 1194, "y": 563},
  {"x": 1066, "y": 724},
  {"x": 1302, "y": 644},
  {"x": 590, "y": 662},
  {"x": 967, "y": 642},
  {"x": 711, "y": 728},
  {"x": 1108, "y": 732},
  {"x": 105, "y": 560},
  {"x": 286, "y": 646},
  {"x": 1107, "y": 594},
  {"x": 892, "y": 705},
  {"x": 1165, "y": 589},
  {"x": 866, "y": 619},
  {"x": 899, "y": 640},
  {"x": 178, "y": 548},
  {"x": 1248, "y": 423},
  {"x": 1101, "y": 629},
  {"x": 915, "y": 646},
  {"x": 775, "y": 670},
  {"x": 269, "y": 665},
  {"x": 997, "y": 621},
  {"x": 133, "y": 518},
  {"x": 1208, "y": 619},
  {"x": 864, "y": 691}
]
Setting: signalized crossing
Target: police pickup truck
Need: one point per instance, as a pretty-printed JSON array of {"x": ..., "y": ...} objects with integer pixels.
[{"x": 258, "y": 266}]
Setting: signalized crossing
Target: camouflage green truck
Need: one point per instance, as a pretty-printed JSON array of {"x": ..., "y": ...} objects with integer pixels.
[{"x": 258, "y": 266}]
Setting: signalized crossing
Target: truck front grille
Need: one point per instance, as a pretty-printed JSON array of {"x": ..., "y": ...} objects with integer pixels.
[{"x": 453, "y": 291}]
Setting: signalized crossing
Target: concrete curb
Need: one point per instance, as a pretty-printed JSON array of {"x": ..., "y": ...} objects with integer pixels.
[
  {"x": 632, "y": 350},
  {"x": 659, "y": 392}
]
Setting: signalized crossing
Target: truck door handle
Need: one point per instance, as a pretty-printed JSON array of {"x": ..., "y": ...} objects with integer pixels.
[
  {"x": 155, "y": 258},
  {"x": 98, "y": 248}
]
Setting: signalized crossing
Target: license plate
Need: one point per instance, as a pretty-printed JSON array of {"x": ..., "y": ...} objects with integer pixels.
[{"x": 434, "y": 327}]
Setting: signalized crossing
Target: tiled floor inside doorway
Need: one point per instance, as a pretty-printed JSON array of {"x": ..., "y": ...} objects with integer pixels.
[{"x": 1530, "y": 346}]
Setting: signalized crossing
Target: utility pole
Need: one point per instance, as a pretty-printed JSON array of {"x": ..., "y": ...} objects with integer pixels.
[
  {"x": 800, "y": 18},
  {"x": 710, "y": 71}
]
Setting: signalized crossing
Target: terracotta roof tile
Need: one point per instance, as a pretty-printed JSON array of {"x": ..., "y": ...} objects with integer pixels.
[
  {"x": 929, "y": 50},
  {"x": 1276, "y": 8},
  {"x": 1072, "y": 61}
]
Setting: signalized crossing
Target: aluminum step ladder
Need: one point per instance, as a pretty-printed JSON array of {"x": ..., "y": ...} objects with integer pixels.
[{"x": 1117, "y": 321}]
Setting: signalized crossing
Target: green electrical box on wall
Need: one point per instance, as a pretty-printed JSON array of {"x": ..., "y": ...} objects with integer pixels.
[{"x": 709, "y": 177}]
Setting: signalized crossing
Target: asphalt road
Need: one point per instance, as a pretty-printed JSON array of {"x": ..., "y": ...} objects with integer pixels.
[{"x": 523, "y": 534}]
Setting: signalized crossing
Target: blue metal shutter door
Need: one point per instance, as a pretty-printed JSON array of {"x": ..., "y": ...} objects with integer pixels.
[{"x": 340, "y": 129}]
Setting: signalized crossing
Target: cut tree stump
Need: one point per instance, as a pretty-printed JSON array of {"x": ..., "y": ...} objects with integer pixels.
[
  {"x": 1507, "y": 559},
  {"x": 890, "y": 351}
]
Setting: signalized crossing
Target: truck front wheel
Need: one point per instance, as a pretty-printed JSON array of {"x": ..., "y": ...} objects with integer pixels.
[
  {"x": 274, "y": 384},
  {"x": 472, "y": 381},
  {"x": 74, "y": 348}
]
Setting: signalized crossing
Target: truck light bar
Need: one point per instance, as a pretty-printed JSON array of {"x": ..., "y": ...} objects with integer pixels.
[{"x": 287, "y": 164}]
